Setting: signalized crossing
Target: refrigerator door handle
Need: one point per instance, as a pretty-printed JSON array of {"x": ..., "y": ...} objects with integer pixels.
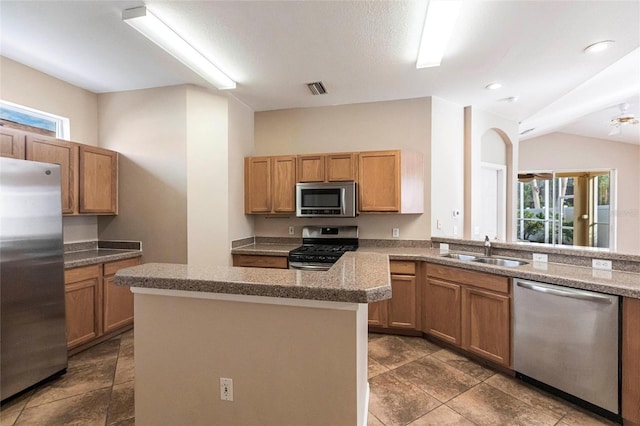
[{"x": 565, "y": 293}]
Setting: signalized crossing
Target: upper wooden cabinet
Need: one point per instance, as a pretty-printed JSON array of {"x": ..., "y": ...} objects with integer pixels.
[
  {"x": 98, "y": 180},
  {"x": 269, "y": 185},
  {"x": 50, "y": 150},
  {"x": 338, "y": 167},
  {"x": 12, "y": 143},
  {"x": 390, "y": 181},
  {"x": 89, "y": 175}
]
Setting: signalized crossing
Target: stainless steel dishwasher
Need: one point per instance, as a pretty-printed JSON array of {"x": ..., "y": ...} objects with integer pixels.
[{"x": 568, "y": 339}]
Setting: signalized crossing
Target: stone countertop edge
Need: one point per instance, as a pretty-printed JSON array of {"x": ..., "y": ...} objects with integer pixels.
[
  {"x": 263, "y": 249},
  {"x": 93, "y": 257},
  {"x": 355, "y": 278}
]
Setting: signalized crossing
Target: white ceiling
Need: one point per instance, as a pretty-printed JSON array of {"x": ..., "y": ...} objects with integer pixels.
[{"x": 363, "y": 51}]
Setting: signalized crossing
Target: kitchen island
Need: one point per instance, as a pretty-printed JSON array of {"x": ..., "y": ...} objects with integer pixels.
[{"x": 293, "y": 342}]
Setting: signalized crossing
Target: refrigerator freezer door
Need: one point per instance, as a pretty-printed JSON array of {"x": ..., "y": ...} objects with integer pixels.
[{"x": 32, "y": 309}]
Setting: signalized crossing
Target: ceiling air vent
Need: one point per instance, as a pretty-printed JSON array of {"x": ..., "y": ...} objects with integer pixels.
[{"x": 317, "y": 88}]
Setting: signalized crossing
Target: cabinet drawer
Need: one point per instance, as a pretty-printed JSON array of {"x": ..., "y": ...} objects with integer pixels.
[
  {"x": 402, "y": 267},
  {"x": 471, "y": 278},
  {"x": 81, "y": 274},
  {"x": 248, "y": 260},
  {"x": 113, "y": 267}
]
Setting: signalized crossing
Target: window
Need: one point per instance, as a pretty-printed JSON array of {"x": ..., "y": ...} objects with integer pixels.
[
  {"x": 565, "y": 208},
  {"x": 18, "y": 116}
]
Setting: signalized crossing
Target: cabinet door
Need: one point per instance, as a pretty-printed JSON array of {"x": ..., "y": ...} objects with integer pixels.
[
  {"x": 443, "y": 310},
  {"x": 50, "y": 150},
  {"x": 341, "y": 167},
  {"x": 486, "y": 325},
  {"x": 311, "y": 168},
  {"x": 117, "y": 300},
  {"x": 98, "y": 180},
  {"x": 631, "y": 360},
  {"x": 257, "y": 185},
  {"x": 402, "y": 306},
  {"x": 256, "y": 261},
  {"x": 284, "y": 184},
  {"x": 82, "y": 296},
  {"x": 11, "y": 143},
  {"x": 379, "y": 181},
  {"x": 378, "y": 313}
]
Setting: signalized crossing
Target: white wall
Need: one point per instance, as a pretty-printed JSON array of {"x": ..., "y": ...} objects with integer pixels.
[
  {"x": 389, "y": 125},
  {"x": 241, "y": 130},
  {"x": 207, "y": 178},
  {"x": 561, "y": 151},
  {"x": 477, "y": 123},
  {"x": 28, "y": 87},
  {"x": 447, "y": 168},
  {"x": 148, "y": 129}
]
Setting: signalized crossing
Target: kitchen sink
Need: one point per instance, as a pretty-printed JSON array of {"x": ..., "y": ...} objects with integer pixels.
[
  {"x": 499, "y": 261},
  {"x": 460, "y": 256}
]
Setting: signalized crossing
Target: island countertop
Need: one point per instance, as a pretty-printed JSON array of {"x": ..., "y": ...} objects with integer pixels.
[{"x": 355, "y": 278}]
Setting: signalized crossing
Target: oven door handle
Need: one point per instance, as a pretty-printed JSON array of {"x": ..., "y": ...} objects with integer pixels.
[{"x": 309, "y": 267}]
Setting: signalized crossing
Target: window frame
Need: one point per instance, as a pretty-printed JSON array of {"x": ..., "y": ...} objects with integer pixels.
[{"x": 63, "y": 128}]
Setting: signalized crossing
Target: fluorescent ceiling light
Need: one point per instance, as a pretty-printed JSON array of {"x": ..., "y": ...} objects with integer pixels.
[
  {"x": 438, "y": 26},
  {"x": 158, "y": 32}
]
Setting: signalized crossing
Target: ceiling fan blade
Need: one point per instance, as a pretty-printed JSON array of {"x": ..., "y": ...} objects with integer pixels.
[{"x": 615, "y": 131}]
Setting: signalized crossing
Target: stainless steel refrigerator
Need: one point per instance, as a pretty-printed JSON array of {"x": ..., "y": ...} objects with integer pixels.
[{"x": 32, "y": 312}]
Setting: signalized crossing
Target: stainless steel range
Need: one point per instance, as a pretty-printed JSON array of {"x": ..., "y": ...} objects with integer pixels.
[{"x": 322, "y": 246}]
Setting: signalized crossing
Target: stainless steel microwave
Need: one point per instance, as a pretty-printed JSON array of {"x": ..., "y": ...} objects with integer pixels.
[{"x": 326, "y": 199}]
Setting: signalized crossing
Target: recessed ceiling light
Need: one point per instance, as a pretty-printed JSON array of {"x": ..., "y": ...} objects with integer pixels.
[
  {"x": 493, "y": 86},
  {"x": 510, "y": 99},
  {"x": 599, "y": 46}
]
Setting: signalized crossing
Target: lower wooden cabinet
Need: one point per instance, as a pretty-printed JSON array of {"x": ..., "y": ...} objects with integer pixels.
[
  {"x": 486, "y": 324},
  {"x": 95, "y": 307},
  {"x": 631, "y": 361},
  {"x": 471, "y": 310},
  {"x": 401, "y": 311},
  {"x": 82, "y": 302},
  {"x": 442, "y": 310},
  {"x": 257, "y": 261},
  {"x": 117, "y": 300}
]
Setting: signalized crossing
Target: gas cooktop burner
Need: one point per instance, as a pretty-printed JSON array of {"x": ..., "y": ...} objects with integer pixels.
[{"x": 323, "y": 245}]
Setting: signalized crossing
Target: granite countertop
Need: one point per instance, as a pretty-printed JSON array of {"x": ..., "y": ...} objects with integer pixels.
[
  {"x": 355, "y": 278},
  {"x": 75, "y": 259},
  {"x": 611, "y": 282}
]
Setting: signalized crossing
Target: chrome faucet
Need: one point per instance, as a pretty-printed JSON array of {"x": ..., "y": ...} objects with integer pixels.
[{"x": 487, "y": 246}]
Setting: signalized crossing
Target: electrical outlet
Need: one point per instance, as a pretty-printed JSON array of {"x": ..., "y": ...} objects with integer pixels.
[
  {"x": 226, "y": 389},
  {"x": 538, "y": 257},
  {"x": 438, "y": 224},
  {"x": 292, "y": 230},
  {"x": 601, "y": 264},
  {"x": 395, "y": 232},
  {"x": 455, "y": 230}
]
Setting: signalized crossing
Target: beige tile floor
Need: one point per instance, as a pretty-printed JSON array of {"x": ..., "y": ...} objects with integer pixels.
[
  {"x": 413, "y": 382},
  {"x": 96, "y": 390}
]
